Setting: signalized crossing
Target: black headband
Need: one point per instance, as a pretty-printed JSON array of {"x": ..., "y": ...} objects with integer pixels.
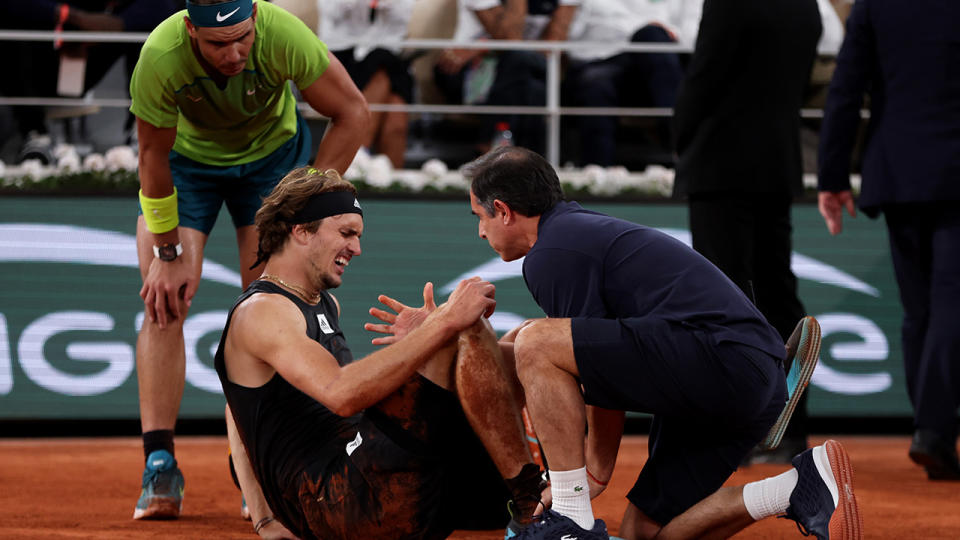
[{"x": 330, "y": 203}]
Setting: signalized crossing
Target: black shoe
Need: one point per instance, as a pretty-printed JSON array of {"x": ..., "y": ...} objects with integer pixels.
[
  {"x": 823, "y": 503},
  {"x": 937, "y": 455},
  {"x": 551, "y": 525}
]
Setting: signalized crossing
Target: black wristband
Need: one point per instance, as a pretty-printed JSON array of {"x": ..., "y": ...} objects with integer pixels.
[{"x": 262, "y": 523}]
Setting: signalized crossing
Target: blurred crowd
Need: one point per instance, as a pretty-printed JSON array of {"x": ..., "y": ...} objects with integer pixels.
[{"x": 598, "y": 75}]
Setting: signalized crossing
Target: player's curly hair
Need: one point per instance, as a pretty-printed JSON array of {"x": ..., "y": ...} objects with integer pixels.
[{"x": 288, "y": 197}]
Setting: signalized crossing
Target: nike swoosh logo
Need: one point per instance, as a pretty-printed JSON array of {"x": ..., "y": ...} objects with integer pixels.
[
  {"x": 194, "y": 99},
  {"x": 221, "y": 18},
  {"x": 251, "y": 91}
]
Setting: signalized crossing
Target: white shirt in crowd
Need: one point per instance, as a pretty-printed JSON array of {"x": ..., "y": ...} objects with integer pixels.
[
  {"x": 615, "y": 21},
  {"x": 469, "y": 27},
  {"x": 347, "y": 23}
]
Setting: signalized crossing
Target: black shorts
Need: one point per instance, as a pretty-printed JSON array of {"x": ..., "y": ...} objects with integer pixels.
[
  {"x": 712, "y": 402},
  {"x": 396, "y": 68},
  {"x": 415, "y": 469}
]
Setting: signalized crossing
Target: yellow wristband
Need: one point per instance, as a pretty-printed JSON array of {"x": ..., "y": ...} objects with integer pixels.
[{"x": 160, "y": 214}]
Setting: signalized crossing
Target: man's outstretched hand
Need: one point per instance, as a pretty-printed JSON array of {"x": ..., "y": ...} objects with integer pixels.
[{"x": 403, "y": 320}]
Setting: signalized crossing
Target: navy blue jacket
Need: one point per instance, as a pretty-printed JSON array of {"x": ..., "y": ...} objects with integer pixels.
[
  {"x": 906, "y": 55},
  {"x": 587, "y": 264}
]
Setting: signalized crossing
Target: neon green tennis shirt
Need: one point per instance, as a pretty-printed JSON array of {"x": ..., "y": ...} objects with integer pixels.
[{"x": 253, "y": 115}]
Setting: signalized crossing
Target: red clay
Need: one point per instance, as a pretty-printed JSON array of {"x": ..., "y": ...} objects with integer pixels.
[{"x": 86, "y": 488}]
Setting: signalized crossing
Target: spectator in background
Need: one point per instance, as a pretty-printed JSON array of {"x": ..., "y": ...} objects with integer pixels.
[
  {"x": 516, "y": 78},
  {"x": 42, "y": 61},
  {"x": 380, "y": 72},
  {"x": 911, "y": 174},
  {"x": 737, "y": 127},
  {"x": 605, "y": 77}
]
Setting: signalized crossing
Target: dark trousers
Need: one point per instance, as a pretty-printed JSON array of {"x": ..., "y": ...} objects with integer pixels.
[
  {"x": 33, "y": 66},
  {"x": 627, "y": 79},
  {"x": 925, "y": 246},
  {"x": 35, "y": 69},
  {"x": 520, "y": 81},
  {"x": 748, "y": 237}
]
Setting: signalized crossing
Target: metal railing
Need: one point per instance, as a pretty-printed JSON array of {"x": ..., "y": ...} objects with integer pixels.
[{"x": 551, "y": 110}]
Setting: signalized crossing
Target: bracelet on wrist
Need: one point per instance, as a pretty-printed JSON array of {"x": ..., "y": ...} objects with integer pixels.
[
  {"x": 595, "y": 479},
  {"x": 262, "y": 523}
]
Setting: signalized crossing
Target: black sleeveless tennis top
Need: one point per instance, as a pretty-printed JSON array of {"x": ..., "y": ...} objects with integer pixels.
[{"x": 284, "y": 430}]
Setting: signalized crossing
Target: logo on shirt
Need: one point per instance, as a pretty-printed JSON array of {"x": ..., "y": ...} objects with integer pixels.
[
  {"x": 354, "y": 444},
  {"x": 324, "y": 324},
  {"x": 221, "y": 18}
]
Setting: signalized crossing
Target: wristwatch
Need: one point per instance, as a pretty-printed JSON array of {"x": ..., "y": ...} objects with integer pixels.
[{"x": 167, "y": 252}]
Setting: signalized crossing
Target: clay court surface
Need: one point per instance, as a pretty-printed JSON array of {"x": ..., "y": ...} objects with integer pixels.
[{"x": 86, "y": 488}]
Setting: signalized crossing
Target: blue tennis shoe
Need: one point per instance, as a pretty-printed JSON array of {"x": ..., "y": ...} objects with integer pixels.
[
  {"x": 552, "y": 526},
  {"x": 161, "y": 494}
]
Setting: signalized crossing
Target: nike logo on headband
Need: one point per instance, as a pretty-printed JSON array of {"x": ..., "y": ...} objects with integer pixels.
[{"x": 221, "y": 18}]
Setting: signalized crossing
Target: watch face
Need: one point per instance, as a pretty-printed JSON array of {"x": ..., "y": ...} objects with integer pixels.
[{"x": 167, "y": 252}]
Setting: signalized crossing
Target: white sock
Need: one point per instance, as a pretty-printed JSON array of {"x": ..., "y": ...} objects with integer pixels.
[
  {"x": 571, "y": 496},
  {"x": 770, "y": 496}
]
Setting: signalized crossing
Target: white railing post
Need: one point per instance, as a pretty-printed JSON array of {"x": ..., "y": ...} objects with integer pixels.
[{"x": 553, "y": 107}]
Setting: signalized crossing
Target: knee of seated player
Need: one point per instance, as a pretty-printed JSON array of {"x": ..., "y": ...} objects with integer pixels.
[
  {"x": 439, "y": 368},
  {"x": 478, "y": 343}
]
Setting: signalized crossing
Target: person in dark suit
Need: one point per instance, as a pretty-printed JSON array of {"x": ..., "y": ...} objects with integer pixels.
[
  {"x": 911, "y": 174},
  {"x": 737, "y": 136}
]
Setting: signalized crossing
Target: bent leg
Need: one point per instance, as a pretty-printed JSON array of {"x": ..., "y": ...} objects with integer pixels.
[
  {"x": 598, "y": 84},
  {"x": 548, "y": 371},
  {"x": 392, "y": 139},
  {"x": 376, "y": 91},
  {"x": 488, "y": 399},
  {"x": 160, "y": 353},
  {"x": 720, "y": 515}
]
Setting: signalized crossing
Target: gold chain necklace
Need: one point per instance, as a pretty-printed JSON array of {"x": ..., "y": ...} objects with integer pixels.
[{"x": 303, "y": 292}]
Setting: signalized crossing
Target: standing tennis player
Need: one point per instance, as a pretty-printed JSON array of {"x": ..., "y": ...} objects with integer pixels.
[{"x": 217, "y": 123}]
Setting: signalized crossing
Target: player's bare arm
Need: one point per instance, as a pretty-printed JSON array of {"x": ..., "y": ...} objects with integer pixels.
[
  {"x": 268, "y": 333},
  {"x": 163, "y": 281},
  {"x": 335, "y": 96},
  {"x": 260, "y": 512}
]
